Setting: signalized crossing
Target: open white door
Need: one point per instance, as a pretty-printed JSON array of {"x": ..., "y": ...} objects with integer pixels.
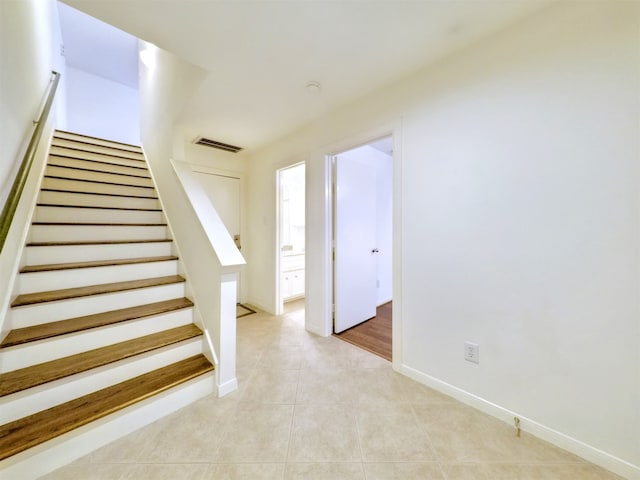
[{"x": 355, "y": 236}]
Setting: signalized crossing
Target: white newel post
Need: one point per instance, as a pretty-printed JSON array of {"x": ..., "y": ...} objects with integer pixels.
[{"x": 226, "y": 380}]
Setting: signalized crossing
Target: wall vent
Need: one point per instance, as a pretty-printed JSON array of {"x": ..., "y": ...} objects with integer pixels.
[{"x": 207, "y": 142}]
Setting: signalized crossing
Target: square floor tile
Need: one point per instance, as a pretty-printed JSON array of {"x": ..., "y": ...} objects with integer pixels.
[{"x": 324, "y": 433}]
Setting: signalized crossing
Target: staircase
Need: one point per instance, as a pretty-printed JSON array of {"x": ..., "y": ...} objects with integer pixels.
[{"x": 103, "y": 338}]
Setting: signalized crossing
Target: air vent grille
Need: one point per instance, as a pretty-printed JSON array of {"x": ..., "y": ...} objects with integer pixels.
[{"x": 207, "y": 142}]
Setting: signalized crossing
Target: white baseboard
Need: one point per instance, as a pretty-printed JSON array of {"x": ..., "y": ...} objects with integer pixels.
[
  {"x": 227, "y": 387},
  {"x": 384, "y": 301},
  {"x": 588, "y": 452},
  {"x": 261, "y": 306}
]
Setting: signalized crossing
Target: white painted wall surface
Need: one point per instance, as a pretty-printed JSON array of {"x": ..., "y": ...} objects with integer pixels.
[
  {"x": 212, "y": 158},
  {"x": 28, "y": 33},
  {"x": 100, "y": 107},
  {"x": 519, "y": 161},
  {"x": 26, "y": 60}
]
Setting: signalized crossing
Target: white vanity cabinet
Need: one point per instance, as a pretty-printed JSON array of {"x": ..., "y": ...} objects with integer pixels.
[{"x": 292, "y": 277}]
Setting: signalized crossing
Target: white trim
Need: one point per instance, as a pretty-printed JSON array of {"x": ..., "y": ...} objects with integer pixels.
[
  {"x": 227, "y": 387},
  {"x": 559, "y": 439},
  {"x": 396, "y": 309}
]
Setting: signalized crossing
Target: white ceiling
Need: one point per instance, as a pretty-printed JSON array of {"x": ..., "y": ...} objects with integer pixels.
[{"x": 261, "y": 54}]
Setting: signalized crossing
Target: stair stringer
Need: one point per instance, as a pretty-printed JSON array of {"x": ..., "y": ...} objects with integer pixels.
[{"x": 12, "y": 254}]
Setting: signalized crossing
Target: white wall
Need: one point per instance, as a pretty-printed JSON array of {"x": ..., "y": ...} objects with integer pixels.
[
  {"x": 100, "y": 107},
  {"x": 520, "y": 225},
  {"x": 26, "y": 60},
  {"x": 29, "y": 51},
  {"x": 212, "y": 158}
]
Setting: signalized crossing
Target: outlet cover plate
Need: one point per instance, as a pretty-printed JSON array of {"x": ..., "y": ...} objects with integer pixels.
[{"x": 472, "y": 352}]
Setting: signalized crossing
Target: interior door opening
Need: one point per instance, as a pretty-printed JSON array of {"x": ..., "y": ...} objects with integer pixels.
[
  {"x": 291, "y": 234},
  {"x": 362, "y": 234}
]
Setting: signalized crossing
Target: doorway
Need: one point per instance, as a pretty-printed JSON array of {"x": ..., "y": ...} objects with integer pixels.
[
  {"x": 362, "y": 239},
  {"x": 291, "y": 234}
]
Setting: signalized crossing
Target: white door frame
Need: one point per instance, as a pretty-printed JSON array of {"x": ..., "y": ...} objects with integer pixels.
[{"x": 327, "y": 311}]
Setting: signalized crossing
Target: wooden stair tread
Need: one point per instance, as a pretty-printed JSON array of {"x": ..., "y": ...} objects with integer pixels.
[
  {"x": 33, "y": 430},
  {"x": 59, "y": 190},
  {"x": 96, "y": 242},
  {"x": 94, "y": 224},
  {"x": 103, "y": 182},
  {"x": 92, "y": 160},
  {"x": 53, "y": 329},
  {"x": 93, "y": 170},
  {"x": 68, "y": 293},
  {"x": 55, "y": 135},
  {"x": 100, "y": 263},
  {"x": 98, "y": 207},
  {"x": 112, "y": 155},
  {"x": 29, "y": 377}
]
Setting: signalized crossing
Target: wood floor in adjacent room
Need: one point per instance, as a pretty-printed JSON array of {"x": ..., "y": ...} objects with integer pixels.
[{"x": 374, "y": 335}]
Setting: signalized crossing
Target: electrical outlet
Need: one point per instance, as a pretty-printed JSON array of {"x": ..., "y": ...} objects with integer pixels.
[{"x": 472, "y": 352}]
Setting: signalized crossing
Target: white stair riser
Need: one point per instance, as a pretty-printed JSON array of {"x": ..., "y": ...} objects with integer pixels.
[
  {"x": 94, "y": 215},
  {"x": 89, "y": 187},
  {"x": 45, "y": 312},
  {"x": 13, "y": 407},
  {"x": 22, "y": 356},
  {"x": 79, "y": 277},
  {"x": 84, "y": 150},
  {"x": 95, "y": 176},
  {"x": 86, "y": 253},
  {"x": 45, "y": 458},
  {"x": 55, "y": 160},
  {"x": 80, "y": 140},
  {"x": 66, "y": 198},
  {"x": 78, "y": 233}
]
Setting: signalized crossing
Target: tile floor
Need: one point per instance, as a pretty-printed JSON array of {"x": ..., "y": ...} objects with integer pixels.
[{"x": 319, "y": 408}]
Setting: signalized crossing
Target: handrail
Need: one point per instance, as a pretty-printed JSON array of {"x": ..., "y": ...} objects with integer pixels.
[{"x": 9, "y": 209}]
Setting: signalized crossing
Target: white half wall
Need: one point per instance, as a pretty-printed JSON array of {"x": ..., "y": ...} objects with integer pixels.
[
  {"x": 100, "y": 107},
  {"x": 207, "y": 254},
  {"x": 519, "y": 168}
]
